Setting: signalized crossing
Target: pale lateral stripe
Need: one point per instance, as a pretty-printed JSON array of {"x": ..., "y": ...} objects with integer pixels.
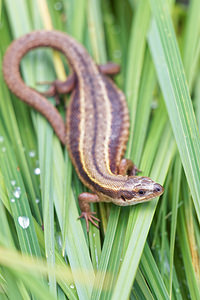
[{"x": 82, "y": 127}]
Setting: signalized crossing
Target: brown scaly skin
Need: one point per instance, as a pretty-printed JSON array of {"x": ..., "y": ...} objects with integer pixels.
[{"x": 97, "y": 122}]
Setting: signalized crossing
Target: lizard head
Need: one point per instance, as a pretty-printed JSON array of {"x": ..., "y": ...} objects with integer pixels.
[{"x": 138, "y": 189}]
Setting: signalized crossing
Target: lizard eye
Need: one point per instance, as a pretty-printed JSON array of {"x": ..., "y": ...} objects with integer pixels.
[{"x": 141, "y": 192}]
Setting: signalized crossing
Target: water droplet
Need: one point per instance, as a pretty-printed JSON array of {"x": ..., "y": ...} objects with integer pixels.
[
  {"x": 32, "y": 153},
  {"x": 3, "y": 149},
  {"x": 37, "y": 200},
  {"x": 12, "y": 200},
  {"x": 13, "y": 182},
  {"x": 58, "y": 5},
  {"x": 177, "y": 290},
  {"x": 24, "y": 222},
  {"x": 37, "y": 171},
  {"x": 17, "y": 192},
  {"x": 117, "y": 54},
  {"x": 121, "y": 259},
  {"x": 72, "y": 286},
  {"x": 1, "y": 139},
  {"x": 154, "y": 104},
  {"x": 94, "y": 234}
]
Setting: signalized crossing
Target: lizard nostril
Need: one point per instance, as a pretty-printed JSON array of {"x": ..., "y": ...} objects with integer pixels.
[{"x": 158, "y": 188}]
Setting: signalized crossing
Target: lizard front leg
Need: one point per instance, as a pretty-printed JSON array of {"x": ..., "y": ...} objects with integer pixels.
[
  {"x": 84, "y": 200},
  {"x": 127, "y": 167}
]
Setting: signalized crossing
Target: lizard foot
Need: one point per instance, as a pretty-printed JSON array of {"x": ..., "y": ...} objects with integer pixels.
[{"x": 88, "y": 216}]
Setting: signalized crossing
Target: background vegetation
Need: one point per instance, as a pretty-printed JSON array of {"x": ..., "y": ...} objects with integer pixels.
[{"x": 148, "y": 251}]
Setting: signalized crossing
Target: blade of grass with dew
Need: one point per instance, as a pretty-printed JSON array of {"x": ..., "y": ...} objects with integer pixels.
[
  {"x": 189, "y": 250},
  {"x": 124, "y": 16},
  {"x": 8, "y": 117},
  {"x": 25, "y": 265},
  {"x": 140, "y": 288},
  {"x": 175, "y": 284},
  {"x": 115, "y": 257},
  {"x": 7, "y": 240},
  {"x": 112, "y": 40},
  {"x": 19, "y": 205},
  {"x": 156, "y": 228},
  {"x": 175, "y": 198},
  {"x": 106, "y": 252},
  {"x": 65, "y": 282},
  {"x": 163, "y": 233},
  {"x": 196, "y": 100},
  {"x": 5, "y": 232},
  {"x": 172, "y": 80},
  {"x": 156, "y": 284},
  {"x": 13, "y": 288},
  {"x": 135, "y": 60},
  {"x": 145, "y": 94},
  {"x": 191, "y": 44},
  {"x": 46, "y": 140},
  {"x": 35, "y": 286},
  {"x": 76, "y": 18},
  {"x": 96, "y": 32},
  {"x": 142, "y": 218}
]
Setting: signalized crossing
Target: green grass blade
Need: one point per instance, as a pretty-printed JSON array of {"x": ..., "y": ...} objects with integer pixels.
[
  {"x": 136, "y": 53},
  {"x": 150, "y": 269},
  {"x": 175, "y": 198},
  {"x": 172, "y": 80},
  {"x": 141, "y": 218},
  {"x": 191, "y": 42}
]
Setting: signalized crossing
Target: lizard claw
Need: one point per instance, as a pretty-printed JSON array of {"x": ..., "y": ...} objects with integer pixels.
[{"x": 89, "y": 217}]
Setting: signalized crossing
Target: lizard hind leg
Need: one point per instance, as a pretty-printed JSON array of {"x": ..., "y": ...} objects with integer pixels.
[
  {"x": 84, "y": 200},
  {"x": 127, "y": 167},
  {"x": 58, "y": 87},
  {"x": 109, "y": 68}
]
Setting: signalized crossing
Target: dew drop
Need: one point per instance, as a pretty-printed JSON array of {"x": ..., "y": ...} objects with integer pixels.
[
  {"x": 1, "y": 139},
  {"x": 3, "y": 149},
  {"x": 12, "y": 200},
  {"x": 154, "y": 104},
  {"x": 13, "y": 182},
  {"x": 37, "y": 171},
  {"x": 32, "y": 153},
  {"x": 24, "y": 222},
  {"x": 72, "y": 286},
  {"x": 37, "y": 200},
  {"x": 117, "y": 54},
  {"x": 94, "y": 234},
  {"x": 58, "y": 5},
  {"x": 17, "y": 192}
]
